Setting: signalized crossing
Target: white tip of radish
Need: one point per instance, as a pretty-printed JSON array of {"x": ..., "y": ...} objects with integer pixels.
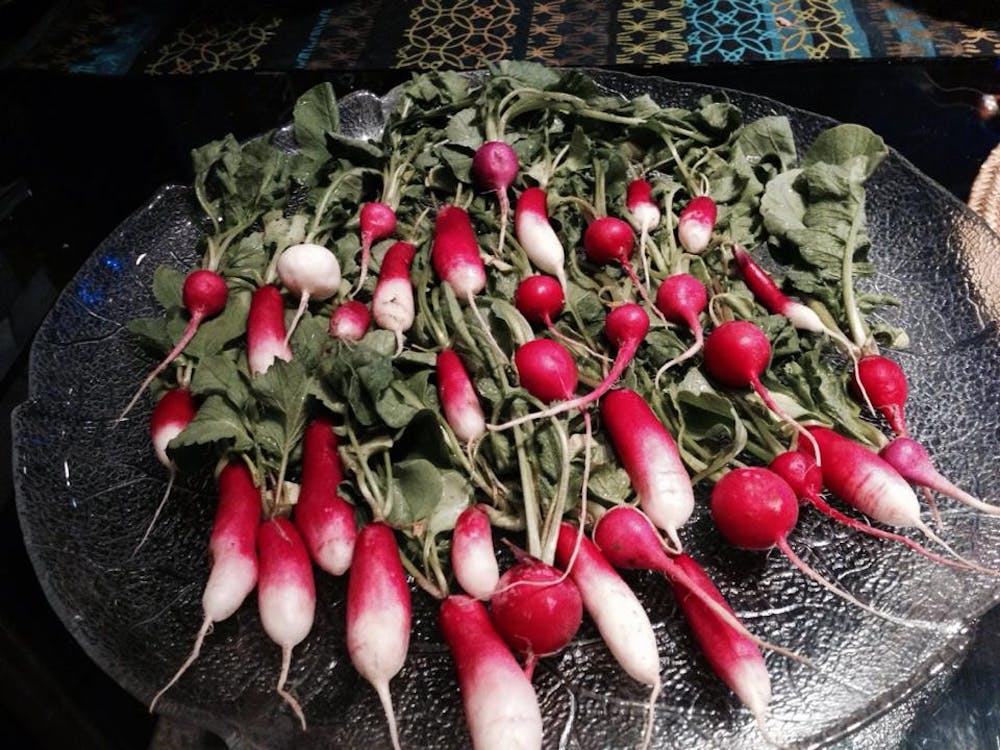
[
  {"x": 162, "y": 439},
  {"x": 694, "y": 236},
  {"x": 310, "y": 268},
  {"x": 467, "y": 279},
  {"x": 392, "y": 305},
  {"x": 232, "y": 579},
  {"x": 752, "y": 685},
  {"x": 645, "y": 216},
  {"x": 286, "y": 613},
  {"x": 541, "y": 244},
  {"x": 267, "y": 349}
]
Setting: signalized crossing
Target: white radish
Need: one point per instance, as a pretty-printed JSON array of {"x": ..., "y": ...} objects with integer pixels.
[{"x": 311, "y": 272}]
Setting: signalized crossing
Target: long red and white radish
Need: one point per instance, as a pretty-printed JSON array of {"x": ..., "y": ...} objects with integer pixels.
[
  {"x": 755, "y": 509},
  {"x": 233, "y": 551},
  {"x": 910, "y": 459},
  {"x": 286, "y": 595},
  {"x": 501, "y": 708},
  {"x": 473, "y": 560},
  {"x": 651, "y": 460},
  {"x": 378, "y": 614},
  {"x": 494, "y": 168},
  {"x": 204, "y": 295},
  {"x": 616, "y": 611},
  {"x": 610, "y": 240},
  {"x": 311, "y": 272},
  {"x": 459, "y": 402},
  {"x": 392, "y": 300},
  {"x": 644, "y": 215},
  {"x": 267, "y": 338},
  {"x": 376, "y": 222},
  {"x": 172, "y": 413},
  {"x": 885, "y": 383},
  {"x": 736, "y": 354},
  {"x": 324, "y": 519},
  {"x": 696, "y": 224},
  {"x": 350, "y": 321},
  {"x": 681, "y": 299},
  {"x": 535, "y": 234}
]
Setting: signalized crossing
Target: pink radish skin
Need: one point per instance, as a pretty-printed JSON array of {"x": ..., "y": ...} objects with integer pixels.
[
  {"x": 487, "y": 669},
  {"x": 455, "y": 253},
  {"x": 204, "y": 295},
  {"x": 495, "y": 167},
  {"x": 682, "y": 299},
  {"x": 378, "y": 614},
  {"x": 232, "y": 548},
  {"x": 286, "y": 595},
  {"x": 350, "y": 321},
  {"x": 172, "y": 413},
  {"x": 376, "y": 222},
  {"x": 266, "y": 334},
  {"x": 324, "y": 519},
  {"x": 650, "y": 457},
  {"x": 910, "y": 459},
  {"x": 885, "y": 383},
  {"x": 609, "y": 240},
  {"x": 546, "y": 370},
  {"x": 392, "y": 300},
  {"x": 767, "y": 293},
  {"x": 539, "y": 299},
  {"x": 311, "y": 272},
  {"x": 535, "y": 234},
  {"x": 696, "y": 224},
  {"x": 473, "y": 559},
  {"x": 536, "y": 610},
  {"x": 459, "y": 401},
  {"x": 736, "y": 354}
]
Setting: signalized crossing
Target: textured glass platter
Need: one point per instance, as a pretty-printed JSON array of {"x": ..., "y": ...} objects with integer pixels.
[{"x": 86, "y": 492}]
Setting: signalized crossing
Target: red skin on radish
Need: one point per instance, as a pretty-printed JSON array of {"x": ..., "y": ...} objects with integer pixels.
[
  {"x": 378, "y": 613},
  {"x": 639, "y": 201},
  {"x": 376, "y": 222},
  {"x": 885, "y": 384},
  {"x": 539, "y": 299},
  {"x": 501, "y": 708},
  {"x": 650, "y": 457},
  {"x": 754, "y": 508},
  {"x": 350, "y": 321},
  {"x": 392, "y": 300},
  {"x": 696, "y": 224},
  {"x": 325, "y": 520},
  {"x": 546, "y": 370},
  {"x": 472, "y": 557},
  {"x": 172, "y": 413},
  {"x": 609, "y": 240},
  {"x": 459, "y": 402},
  {"x": 286, "y": 594},
  {"x": 455, "y": 253},
  {"x": 535, "y": 234},
  {"x": 681, "y": 298},
  {"x": 266, "y": 330},
  {"x": 536, "y": 610}
]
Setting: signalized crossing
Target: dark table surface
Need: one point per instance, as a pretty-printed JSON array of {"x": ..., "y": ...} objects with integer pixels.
[{"x": 78, "y": 154}]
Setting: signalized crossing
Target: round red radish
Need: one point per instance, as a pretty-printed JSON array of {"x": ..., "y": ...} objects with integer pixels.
[
  {"x": 608, "y": 240},
  {"x": 800, "y": 472},
  {"x": 753, "y": 508},
  {"x": 885, "y": 383},
  {"x": 495, "y": 166},
  {"x": 696, "y": 224},
  {"x": 626, "y": 325},
  {"x": 266, "y": 333},
  {"x": 172, "y": 413},
  {"x": 473, "y": 559},
  {"x": 736, "y": 353},
  {"x": 539, "y": 299},
  {"x": 682, "y": 298},
  {"x": 546, "y": 370},
  {"x": 376, "y": 222},
  {"x": 536, "y": 609},
  {"x": 350, "y": 321}
]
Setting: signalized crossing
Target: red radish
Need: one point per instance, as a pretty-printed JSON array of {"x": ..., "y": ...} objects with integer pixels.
[
  {"x": 536, "y": 609},
  {"x": 472, "y": 557},
  {"x": 539, "y": 299},
  {"x": 350, "y": 321},
  {"x": 755, "y": 509},
  {"x": 626, "y": 327},
  {"x": 286, "y": 595},
  {"x": 650, "y": 457},
  {"x": 459, "y": 401},
  {"x": 609, "y": 240},
  {"x": 324, "y": 519},
  {"x": 495, "y": 167},
  {"x": 546, "y": 370},
  {"x": 535, "y": 234},
  {"x": 310, "y": 271},
  {"x": 172, "y": 413},
  {"x": 455, "y": 253},
  {"x": 266, "y": 334},
  {"x": 378, "y": 614},
  {"x": 392, "y": 300},
  {"x": 204, "y": 295},
  {"x": 616, "y": 612},
  {"x": 377, "y": 221},
  {"x": 910, "y": 459},
  {"x": 644, "y": 215},
  {"x": 806, "y": 479},
  {"x": 736, "y": 353},
  {"x": 884, "y": 382},
  {"x": 232, "y": 547},
  {"x": 733, "y": 656},
  {"x": 682, "y": 299},
  {"x": 696, "y": 224},
  {"x": 501, "y": 708}
]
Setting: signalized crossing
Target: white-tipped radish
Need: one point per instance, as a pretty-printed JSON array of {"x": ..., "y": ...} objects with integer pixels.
[
  {"x": 455, "y": 253},
  {"x": 376, "y": 222},
  {"x": 696, "y": 224},
  {"x": 266, "y": 335},
  {"x": 473, "y": 559},
  {"x": 309, "y": 271},
  {"x": 459, "y": 402},
  {"x": 350, "y": 321},
  {"x": 535, "y": 234},
  {"x": 392, "y": 300},
  {"x": 644, "y": 215}
]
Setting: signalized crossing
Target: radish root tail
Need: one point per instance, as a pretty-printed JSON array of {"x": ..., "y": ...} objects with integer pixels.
[
  {"x": 385, "y": 697},
  {"x": 286, "y": 663},
  {"x": 206, "y": 628},
  {"x": 156, "y": 513}
]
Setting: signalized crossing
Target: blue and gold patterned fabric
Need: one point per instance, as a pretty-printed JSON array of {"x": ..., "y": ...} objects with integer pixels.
[{"x": 115, "y": 37}]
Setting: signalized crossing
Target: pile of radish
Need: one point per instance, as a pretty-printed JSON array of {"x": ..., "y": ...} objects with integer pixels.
[{"x": 403, "y": 384}]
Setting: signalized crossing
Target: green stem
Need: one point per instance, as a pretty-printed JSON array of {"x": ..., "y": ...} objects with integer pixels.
[
  {"x": 550, "y": 529},
  {"x": 420, "y": 579},
  {"x": 854, "y": 319},
  {"x": 528, "y": 498}
]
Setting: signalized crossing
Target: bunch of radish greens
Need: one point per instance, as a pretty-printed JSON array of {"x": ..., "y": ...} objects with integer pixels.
[{"x": 517, "y": 331}]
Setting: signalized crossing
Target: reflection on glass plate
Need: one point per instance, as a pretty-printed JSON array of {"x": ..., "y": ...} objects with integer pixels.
[{"x": 86, "y": 491}]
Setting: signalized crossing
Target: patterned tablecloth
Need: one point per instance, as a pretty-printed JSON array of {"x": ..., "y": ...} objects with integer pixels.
[{"x": 115, "y": 37}]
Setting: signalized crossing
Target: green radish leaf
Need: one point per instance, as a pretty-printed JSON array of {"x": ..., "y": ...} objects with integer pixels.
[
  {"x": 152, "y": 333},
  {"x": 463, "y": 129},
  {"x": 221, "y": 375},
  {"x": 215, "y": 333},
  {"x": 456, "y": 496},
  {"x": 767, "y": 140},
  {"x": 217, "y": 421},
  {"x": 416, "y": 490},
  {"x": 854, "y": 147},
  {"x": 610, "y": 483},
  {"x": 168, "y": 285},
  {"x": 315, "y": 114}
]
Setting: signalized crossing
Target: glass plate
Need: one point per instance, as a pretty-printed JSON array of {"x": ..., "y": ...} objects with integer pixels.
[{"x": 86, "y": 491}]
